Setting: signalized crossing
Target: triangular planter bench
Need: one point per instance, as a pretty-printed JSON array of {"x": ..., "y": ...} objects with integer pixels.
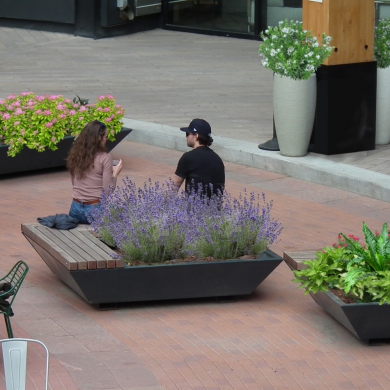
[{"x": 82, "y": 262}]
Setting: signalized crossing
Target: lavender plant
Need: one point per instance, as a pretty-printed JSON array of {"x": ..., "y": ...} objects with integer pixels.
[{"x": 155, "y": 223}]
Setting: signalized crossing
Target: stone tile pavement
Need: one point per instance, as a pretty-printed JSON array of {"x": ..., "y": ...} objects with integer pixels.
[
  {"x": 159, "y": 76},
  {"x": 277, "y": 338}
]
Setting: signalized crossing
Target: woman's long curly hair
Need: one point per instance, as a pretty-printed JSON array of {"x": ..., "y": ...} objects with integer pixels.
[{"x": 85, "y": 148}]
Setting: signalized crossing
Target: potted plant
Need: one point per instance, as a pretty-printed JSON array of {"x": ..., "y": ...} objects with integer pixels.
[
  {"x": 167, "y": 245},
  {"x": 174, "y": 246},
  {"x": 382, "y": 56},
  {"x": 351, "y": 281},
  {"x": 32, "y": 124},
  {"x": 293, "y": 54}
]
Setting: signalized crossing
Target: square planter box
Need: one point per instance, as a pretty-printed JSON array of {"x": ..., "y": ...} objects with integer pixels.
[
  {"x": 81, "y": 261},
  {"x": 31, "y": 160}
]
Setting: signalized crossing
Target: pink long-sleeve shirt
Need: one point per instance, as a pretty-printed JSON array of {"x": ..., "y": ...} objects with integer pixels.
[{"x": 97, "y": 179}]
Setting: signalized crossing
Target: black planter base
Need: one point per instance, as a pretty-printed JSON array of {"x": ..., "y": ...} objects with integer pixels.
[
  {"x": 346, "y": 108},
  {"x": 162, "y": 282},
  {"x": 367, "y": 321},
  {"x": 31, "y": 160}
]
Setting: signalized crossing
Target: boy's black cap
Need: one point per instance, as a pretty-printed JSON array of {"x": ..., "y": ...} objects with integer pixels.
[{"x": 198, "y": 126}]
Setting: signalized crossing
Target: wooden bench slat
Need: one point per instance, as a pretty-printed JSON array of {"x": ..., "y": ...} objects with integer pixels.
[
  {"x": 93, "y": 259},
  {"x": 50, "y": 233},
  {"x": 102, "y": 258},
  {"x": 119, "y": 263},
  {"x": 76, "y": 249},
  {"x": 295, "y": 259},
  {"x": 30, "y": 230},
  {"x": 80, "y": 251}
]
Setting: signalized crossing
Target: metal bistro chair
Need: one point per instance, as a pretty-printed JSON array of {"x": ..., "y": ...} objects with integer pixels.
[
  {"x": 10, "y": 286},
  {"x": 15, "y": 362}
]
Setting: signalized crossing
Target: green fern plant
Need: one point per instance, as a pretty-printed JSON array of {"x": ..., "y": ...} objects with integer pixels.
[{"x": 362, "y": 272}]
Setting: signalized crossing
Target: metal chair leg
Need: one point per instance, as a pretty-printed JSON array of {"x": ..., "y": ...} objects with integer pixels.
[{"x": 8, "y": 326}]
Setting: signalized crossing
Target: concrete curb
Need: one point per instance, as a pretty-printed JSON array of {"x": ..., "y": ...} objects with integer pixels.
[{"x": 311, "y": 168}]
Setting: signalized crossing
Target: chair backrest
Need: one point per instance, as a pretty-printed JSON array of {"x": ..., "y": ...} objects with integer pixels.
[
  {"x": 15, "y": 277},
  {"x": 15, "y": 362}
]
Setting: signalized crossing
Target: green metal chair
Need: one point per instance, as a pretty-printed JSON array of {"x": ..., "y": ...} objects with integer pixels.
[{"x": 10, "y": 285}]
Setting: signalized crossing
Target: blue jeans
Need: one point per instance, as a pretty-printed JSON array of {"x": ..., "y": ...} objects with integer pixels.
[{"x": 80, "y": 211}]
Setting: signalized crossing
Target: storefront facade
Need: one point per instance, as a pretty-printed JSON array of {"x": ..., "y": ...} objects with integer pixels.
[{"x": 102, "y": 18}]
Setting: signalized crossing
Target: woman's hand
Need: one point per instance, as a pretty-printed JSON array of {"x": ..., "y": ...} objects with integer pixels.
[{"x": 117, "y": 168}]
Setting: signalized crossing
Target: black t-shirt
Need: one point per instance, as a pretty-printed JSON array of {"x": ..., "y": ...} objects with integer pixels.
[{"x": 202, "y": 165}]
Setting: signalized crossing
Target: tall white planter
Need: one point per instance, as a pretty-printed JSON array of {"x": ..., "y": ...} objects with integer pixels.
[
  {"x": 383, "y": 106},
  {"x": 294, "y": 104}
]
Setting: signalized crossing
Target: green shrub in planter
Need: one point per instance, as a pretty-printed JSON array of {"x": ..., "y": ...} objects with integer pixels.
[
  {"x": 362, "y": 272},
  {"x": 40, "y": 122}
]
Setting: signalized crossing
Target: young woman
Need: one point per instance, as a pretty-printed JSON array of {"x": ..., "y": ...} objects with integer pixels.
[{"x": 91, "y": 169}]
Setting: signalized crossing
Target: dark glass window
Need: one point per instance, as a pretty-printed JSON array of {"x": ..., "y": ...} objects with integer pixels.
[{"x": 222, "y": 15}]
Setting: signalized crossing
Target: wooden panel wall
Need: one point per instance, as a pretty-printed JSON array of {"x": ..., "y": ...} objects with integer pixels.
[{"x": 350, "y": 23}]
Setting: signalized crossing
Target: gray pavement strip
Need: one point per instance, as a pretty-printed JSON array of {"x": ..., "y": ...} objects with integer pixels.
[{"x": 311, "y": 168}]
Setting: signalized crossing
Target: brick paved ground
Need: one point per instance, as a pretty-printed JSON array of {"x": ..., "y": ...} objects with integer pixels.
[{"x": 276, "y": 338}]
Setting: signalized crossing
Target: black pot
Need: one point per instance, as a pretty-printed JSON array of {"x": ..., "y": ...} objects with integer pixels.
[
  {"x": 367, "y": 321},
  {"x": 31, "y": 160}
]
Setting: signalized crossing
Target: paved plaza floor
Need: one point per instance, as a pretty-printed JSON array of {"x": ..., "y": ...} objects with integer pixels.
[{"x": 276, "y": 338}]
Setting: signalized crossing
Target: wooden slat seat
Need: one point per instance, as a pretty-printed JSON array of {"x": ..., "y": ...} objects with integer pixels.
[
  {"x": 75, "y": 249},
  {"x": 295, "y": 259}
]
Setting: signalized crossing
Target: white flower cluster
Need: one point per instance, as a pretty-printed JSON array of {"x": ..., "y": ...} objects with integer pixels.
[{"x": 290, "y": 51}]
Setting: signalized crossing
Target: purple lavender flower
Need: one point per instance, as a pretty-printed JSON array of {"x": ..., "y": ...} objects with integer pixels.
[{"x": 155, "y": 223}]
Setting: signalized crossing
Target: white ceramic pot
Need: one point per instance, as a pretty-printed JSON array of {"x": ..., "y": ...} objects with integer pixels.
[
  {"x": 383, "y": 106},
  {"x": 294, "y": 103}
]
